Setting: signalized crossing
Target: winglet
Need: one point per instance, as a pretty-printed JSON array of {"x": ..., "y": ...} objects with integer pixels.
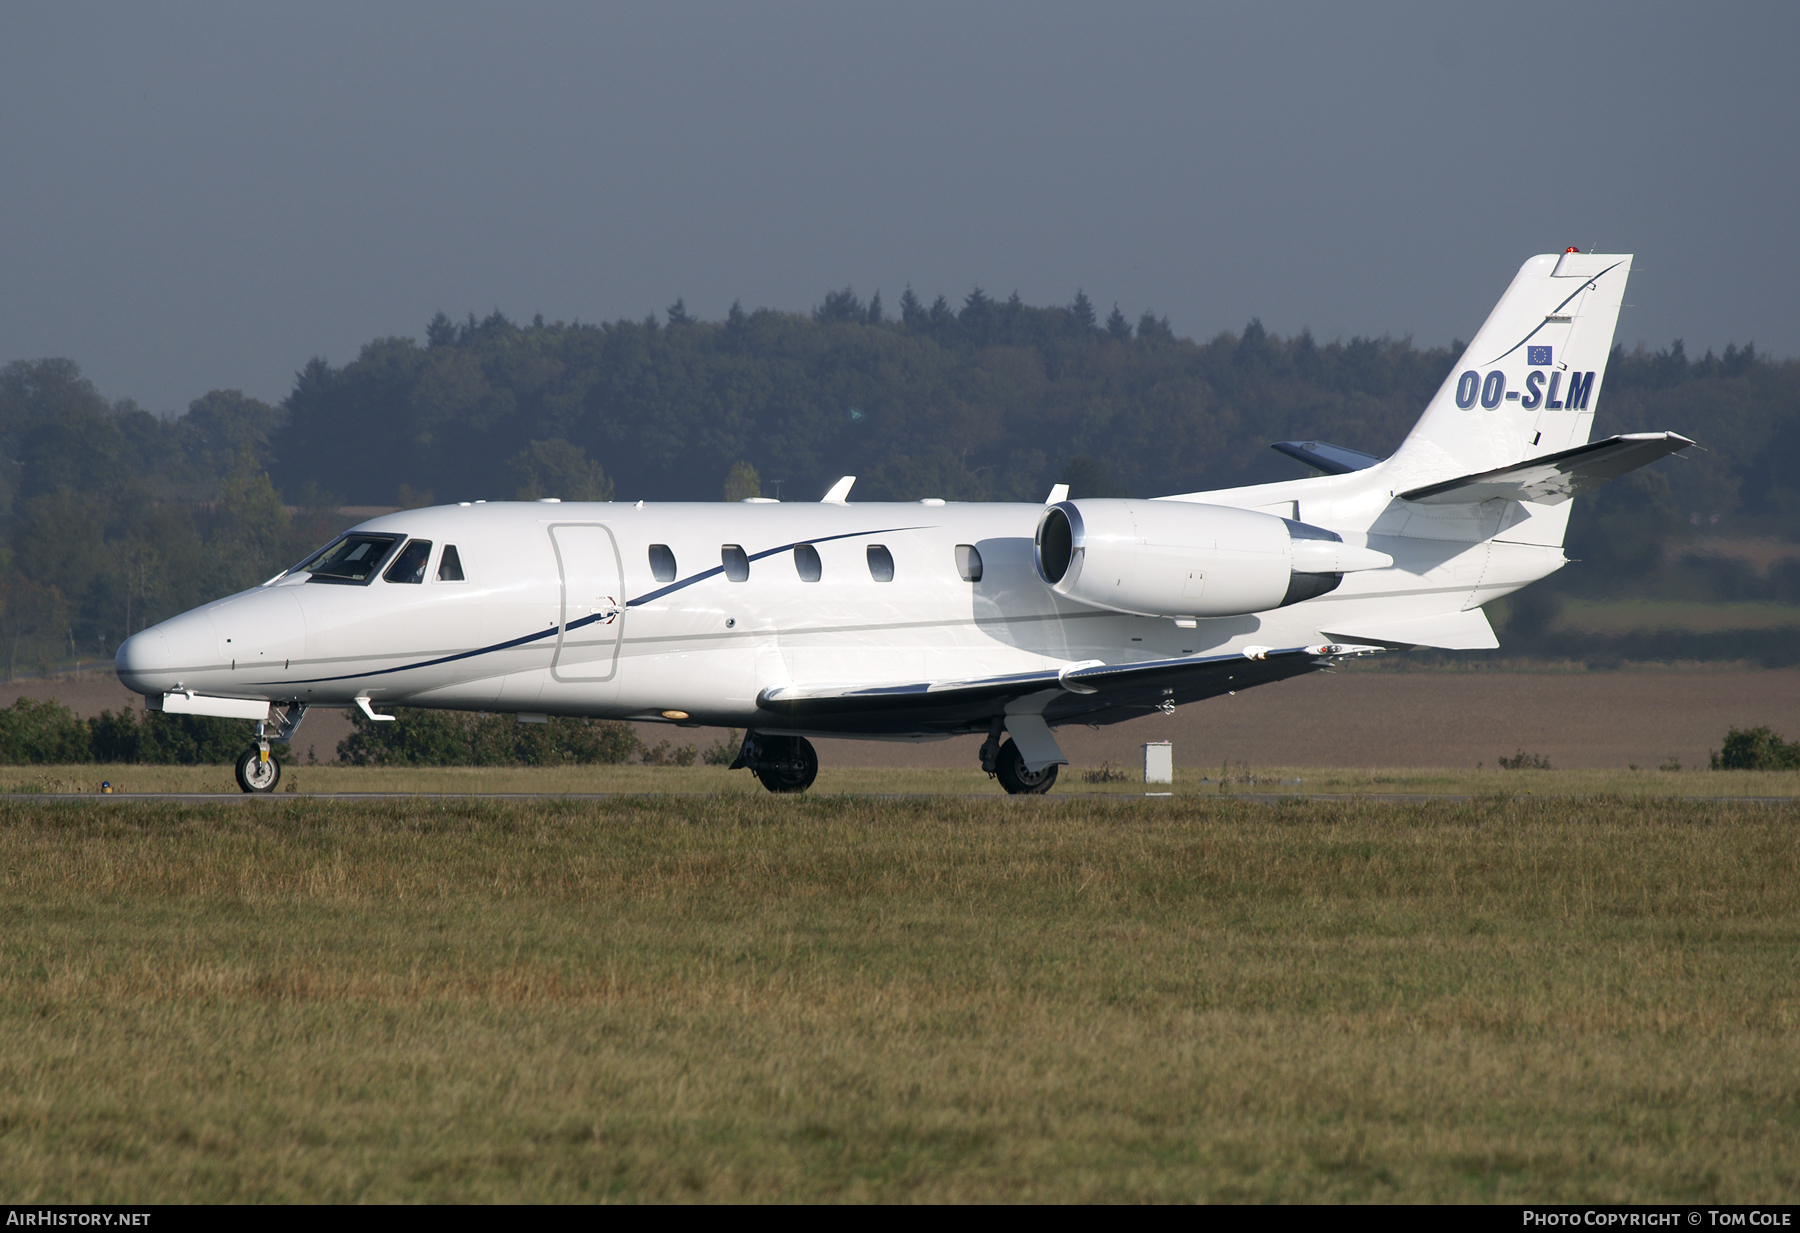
[
  {"x": 840, "y": 492},
  {"x": 1058, "y": 493},
  {"x": 362, "y": 703}
]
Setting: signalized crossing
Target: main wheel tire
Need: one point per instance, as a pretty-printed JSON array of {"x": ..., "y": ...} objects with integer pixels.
[
  {"x": 786, "y": 763},
  {"x": 255, "y": 775},
  {"x": 1016, "y": 779}
]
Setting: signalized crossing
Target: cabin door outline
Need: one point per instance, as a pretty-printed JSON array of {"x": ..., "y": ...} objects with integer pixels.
[{"x": 591, "y": 574}]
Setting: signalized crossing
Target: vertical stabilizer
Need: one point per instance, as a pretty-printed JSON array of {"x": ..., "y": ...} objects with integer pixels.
[{"x": 1528, "y": 385}]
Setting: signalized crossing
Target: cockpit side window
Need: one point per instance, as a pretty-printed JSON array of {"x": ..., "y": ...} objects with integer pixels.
[
  {"x": 409, "y": 566},
  {"x": 450, "y": 565},
  {"x": 349, "y": 560}
]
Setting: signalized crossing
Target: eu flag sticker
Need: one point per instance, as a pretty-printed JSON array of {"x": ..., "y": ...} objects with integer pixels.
[{"x": 1537, "y": 357}]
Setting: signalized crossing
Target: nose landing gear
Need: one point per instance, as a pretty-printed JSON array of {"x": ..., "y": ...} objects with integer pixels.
[{"x": 257, "y": 770}]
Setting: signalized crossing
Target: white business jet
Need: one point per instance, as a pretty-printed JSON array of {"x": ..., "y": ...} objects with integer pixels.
[{"x": 924, "y": 620}]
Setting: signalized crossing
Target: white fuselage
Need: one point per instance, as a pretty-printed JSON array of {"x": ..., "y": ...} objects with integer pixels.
[{"x": 558, "y": 611}]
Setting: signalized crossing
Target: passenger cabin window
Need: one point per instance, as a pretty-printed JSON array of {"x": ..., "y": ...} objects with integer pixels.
[
  {"x": 450, "y": 565},
  {"x": 662, "y": 563},
  {"x": 968, "y": 562},
  {"x": 806, "y": 561},
  {"x": 737, "y": 564},
  {"x": 351, "y": 560},
  {"x": 409, "y": 566},
  {"x": 881, "y": 563}
]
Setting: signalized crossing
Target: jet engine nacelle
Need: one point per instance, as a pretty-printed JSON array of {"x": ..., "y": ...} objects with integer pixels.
[{"x": 1180, "y": 559}]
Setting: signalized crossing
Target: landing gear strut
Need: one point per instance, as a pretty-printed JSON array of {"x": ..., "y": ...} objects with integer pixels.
[
  {"x": 257, "y": 770},
  {"x": 782, "y": 763}
]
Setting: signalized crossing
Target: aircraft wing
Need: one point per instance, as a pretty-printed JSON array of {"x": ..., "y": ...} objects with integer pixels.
[
  {"x": 1555, "y": 478},
  {"x": 1091, "y": 692}
]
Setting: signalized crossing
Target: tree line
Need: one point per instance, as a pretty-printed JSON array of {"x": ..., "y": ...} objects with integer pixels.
[{"x": 116, "y": 518}]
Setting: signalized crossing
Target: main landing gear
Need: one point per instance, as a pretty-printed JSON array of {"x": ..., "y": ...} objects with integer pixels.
[
  {"x": 1003, "y": 760},
  {"x": 257, "y": 769},
  {"x": 782, "y": 763},
  {"x": 789, "y": 763}
]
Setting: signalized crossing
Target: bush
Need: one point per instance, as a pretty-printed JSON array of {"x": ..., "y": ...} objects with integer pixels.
[
  {"x": 725, "y": 752},
  {"x": 1522, "y": 761},
  {"x": 455, "y": 738},
  {"x": 43, "y": 732},
  {"x": 48, "y": 732},
  {"x": 662, "y": 754},
  {"x": 186, "y": 740},
  {"x": 1756, "y": 749}
]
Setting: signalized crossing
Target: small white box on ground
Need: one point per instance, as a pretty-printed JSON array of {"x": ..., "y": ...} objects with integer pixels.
[{"x": 1159, "y": 762}]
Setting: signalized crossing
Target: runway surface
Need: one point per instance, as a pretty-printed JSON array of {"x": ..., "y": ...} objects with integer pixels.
[{"x": 1263, "y": 798}]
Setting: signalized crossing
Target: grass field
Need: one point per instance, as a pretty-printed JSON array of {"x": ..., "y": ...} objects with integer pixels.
[
  {"x": 740, "y": 997},
  {"x": 1624, "y": 616},
  {"x": 1225, "y": 779}
]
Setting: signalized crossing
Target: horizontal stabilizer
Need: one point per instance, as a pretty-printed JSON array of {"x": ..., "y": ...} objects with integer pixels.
[
  {"x": 1331, "y": 459},
  {"x": 1554, "y": 478},
  {"x": 1450, "y": 631}
]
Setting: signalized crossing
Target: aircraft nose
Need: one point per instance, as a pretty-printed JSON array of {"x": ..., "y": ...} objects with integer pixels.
[
  {"x": 156, "y": 660},
  {"x": 141, "y": 657}
]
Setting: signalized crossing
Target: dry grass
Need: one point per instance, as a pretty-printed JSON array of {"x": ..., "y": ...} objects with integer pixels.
[
  {"x": 731, "y": 998},
  {"x": 1226, "y": 778},
  {"x": 1626, "y": 616}
]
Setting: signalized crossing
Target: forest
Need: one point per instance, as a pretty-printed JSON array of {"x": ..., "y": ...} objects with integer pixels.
[{"x": 115, "y": 518}]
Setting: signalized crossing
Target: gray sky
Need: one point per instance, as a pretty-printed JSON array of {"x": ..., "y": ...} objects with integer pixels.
[{"x": 205, "y": 196}]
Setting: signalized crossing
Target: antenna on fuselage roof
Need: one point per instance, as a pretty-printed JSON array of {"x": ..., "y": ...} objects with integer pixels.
[{"x": 839, "y": 493}]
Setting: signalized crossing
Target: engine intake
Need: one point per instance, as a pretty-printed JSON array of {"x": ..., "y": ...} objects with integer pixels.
[{"x": 1181, "y": 559}]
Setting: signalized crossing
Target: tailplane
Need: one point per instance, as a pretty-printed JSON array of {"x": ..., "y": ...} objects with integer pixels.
[{"x": 1554, "y": 478}]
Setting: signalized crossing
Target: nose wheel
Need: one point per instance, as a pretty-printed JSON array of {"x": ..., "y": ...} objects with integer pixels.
[{"x": 257, "y": 770}]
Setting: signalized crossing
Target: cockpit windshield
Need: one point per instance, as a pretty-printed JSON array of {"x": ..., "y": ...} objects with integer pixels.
[{"x": 350, "y": 559}]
